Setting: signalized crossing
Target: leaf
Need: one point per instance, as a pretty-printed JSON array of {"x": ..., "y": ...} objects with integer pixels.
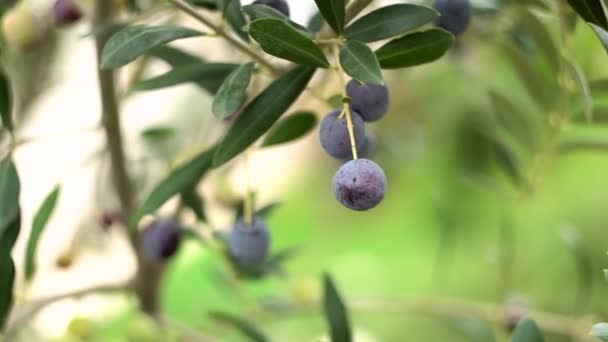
[
  {"x": 583, "y": 85},
  {"x": 389, "y": 21},
  {"x": 234, "y": 16},
  {"x": 11, "y": 233},
  {"x": 335, "y": 312},
  {"x": 174, "y": 57},
  {"x": 40, "y": 220},
  {"x": 208, "y": 76},
  {"x": 334, "y": 12},
  {"x": 527, "y": 331},
  {"x": 600, "y": 331},
  {"x": 537, "y": 84},
  {"x": 157, "y": 135},
  {"x": 246, "y": 327},
  {"x": 9, "y": 195},
  {"x": 414, "y": 49},
  {"x": 508, "y": 161},
  {"x": 279, "y": 39},
  {"x": 542, "y": 37},
  {"x": 208, "y": 4},
  {"x": 360, "y": 63},
  {"x": 601, "y": 34},
  {"x": 260, "y": 11},
  {"x": 315, "y": 24},
  {"x": 259, "y": 115},
  {"x": 290, "y": 128},
  {"x": 7, "y": 270},
  {"x": 194, "y": 202},
  {"x": 233, "y": 91},
  {"x": 179, "y": 180},
  {"x": 513, "y": 119},
  {"x": 591, "y": 11},
  {"x": 6, "y": 102},
  {"x": 133, "y": 41}
]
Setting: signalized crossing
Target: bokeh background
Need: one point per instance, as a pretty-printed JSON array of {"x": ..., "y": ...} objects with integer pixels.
[{"x": 450, "y": 227}]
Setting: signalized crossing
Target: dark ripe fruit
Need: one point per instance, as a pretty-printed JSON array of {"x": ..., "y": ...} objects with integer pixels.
[
  {"x": 161, "y": 239},
  {"x": 66, "y": 12},
  {"x": 360, "y": 184},
  {"x": 333, "y": 134},
  {"x": 249, "y": 245},
  {"x": 369, "y": 100},
  {"x": 455, "y": 15},
  {"x": 279, "y": 5}
]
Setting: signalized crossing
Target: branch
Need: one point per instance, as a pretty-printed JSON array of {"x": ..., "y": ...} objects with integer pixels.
[
  {"x": 110, "y": 112},
  {"x": 26, "y": 313},
  {"x": 187, "y": 8},
  {"x": 352, "y": 11}
]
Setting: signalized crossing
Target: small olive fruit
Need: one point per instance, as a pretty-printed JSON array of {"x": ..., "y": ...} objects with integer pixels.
[
  {"x": 455, "y": 15},
  {"x": 333, "y": 134},
  {"x": 161, "y": 239},
  {"x": 249, "y": 244},
  {"x": 66, "y": 12},
  {"x": 360, "y": 184},
  {"x": 21, "y": 29},
  {"x": 369, "y": 100}
]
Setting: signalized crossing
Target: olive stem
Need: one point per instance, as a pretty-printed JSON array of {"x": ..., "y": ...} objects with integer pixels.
[
  {"x": 248, "y": 200},
  {"x": 188, "y": 9},
  {"x": 346, "y": 106}
]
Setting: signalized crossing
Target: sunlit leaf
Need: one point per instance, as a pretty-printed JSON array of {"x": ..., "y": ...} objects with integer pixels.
[
  {"x": 389, "y": 21},
  {"x": 40, "y": 221},
  {"x": 131, "y": 42},
  {"x": 415, "y": 49},
  {"x": 360, "y": 63},
  {"x": 279, "y": 39},
  {"x": 233, "y": 91},
  {"x": 259, "y": 115}
]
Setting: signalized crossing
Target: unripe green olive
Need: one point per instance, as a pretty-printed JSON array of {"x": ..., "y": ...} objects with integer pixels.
[{"x": 21, "y": 29}]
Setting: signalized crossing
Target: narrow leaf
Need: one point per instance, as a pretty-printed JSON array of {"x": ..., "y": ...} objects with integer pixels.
[
  {"x": 257, "y": 117},
  {"x": 233, "y": 91},
  {"x": 334, "y": 12},
  {"x": 6, "y": 102},
  {"x": 279, "y": 39},
  {"x": 259, "y": 11},
  {"x": 245, "y": 327},
  {"x": 584, "y": 88},
  {"x": 414, "y": 49},
  {"x": 360, "y": 63},
  {"x": 194, "y": 202},
  {"x": 290, "y": 128},
  {"x": 179, "y": 180},
  {"x": 591, "y": 11},
  {"x": 600, "y": 331},
  {"x": 517, "y": 122},
  {"x": 234, "y": 16},
  {"x": 208, "y": 76},
  {"x": 7, "y": 270},
  {"x": 174, "y": 57},
  {"x": 133, "y": 41},
  {"x": 40, "y": 220},
  {"x": 527, "y": 331},
  {"x": 208, "y": 4},
  {"x": 315, "y": 23},
  {"x": 9, "y": 195},
  {"x": 542, "y": 37},
  {"x": 389, "y": 21},
  {"x": 335, "y": 312},
  {"x": 601, "y": 34}
]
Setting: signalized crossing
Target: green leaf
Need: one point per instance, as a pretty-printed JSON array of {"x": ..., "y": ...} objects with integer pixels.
[
  {"x": 335, "y": 312},
  {"x": 6, "y": 102},
  {"x": 601, "y": 34},
  {"x": 245, "y": 327},
  {"x": 414, "y": 49},
  {"x": 584, "y": 88},
  {"x": 591, "y": 11},
  {"x": 259, "y": 115},
  {"x": 233, "y": 91},
  {"x": 334, "y": 12},
  {"x": 315, "y": 24},
  {"x": 527, "y": 331},
  {"x": 514, "y": 120},
  {"x": 180, "y": 179},
  {"x": 133, "y": 41},
  {"x": 279, "y": 39},
  {"x": 208, "y": 76},
  {"x": 194, "y": 202},
  {"x": 360, "y": 63},
  {"x": 256, "y": 11},
  {"x": 541, "y": 36},
  {"x": 600, "y": 331},
  {"x": 535, "y": 81},
  {"x": 40, "y": 220},
  {"x": 290, "y": 128},
  {"x": 389, "y": 21},
  {"x": 509, "y": 162},
  {"x": 9, "y": 195},
  {"x": 11, "y": 233},
  {"x": 208, "y": 4},
  {"x": 235, "y": 17},
  {"x": 7, "y": 270},
  {"x": 174, "y": 57},
  {"x": 158, "y": 135}
]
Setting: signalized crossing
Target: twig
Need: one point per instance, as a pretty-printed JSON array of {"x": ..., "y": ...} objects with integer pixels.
[
  {"x": 187, "y": 8},
  {"x": 352, "y": 11},
  {"x": 23, "y": 315}
]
